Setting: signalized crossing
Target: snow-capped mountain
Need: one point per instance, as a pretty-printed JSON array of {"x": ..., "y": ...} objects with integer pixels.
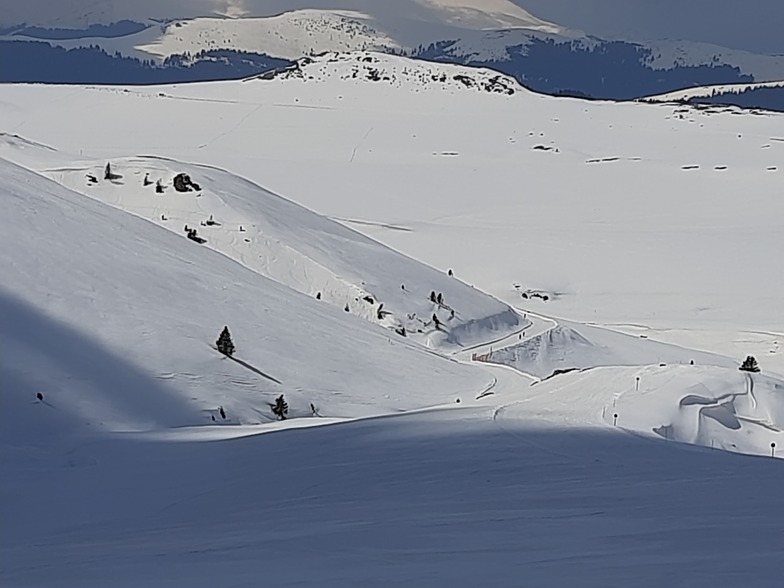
[{"x": 193, "y": 44}]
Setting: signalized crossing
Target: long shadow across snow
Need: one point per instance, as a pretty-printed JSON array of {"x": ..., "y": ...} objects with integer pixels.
[
  {"x": 39, "y": 353},
  {"x": 428, "y": 499}
]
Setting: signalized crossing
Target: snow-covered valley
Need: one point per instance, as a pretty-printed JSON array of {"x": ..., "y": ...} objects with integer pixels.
[{"x": 508, "y": 328}]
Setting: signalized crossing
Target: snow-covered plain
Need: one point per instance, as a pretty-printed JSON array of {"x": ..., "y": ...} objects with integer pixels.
[{"x": 653, "y": 231}]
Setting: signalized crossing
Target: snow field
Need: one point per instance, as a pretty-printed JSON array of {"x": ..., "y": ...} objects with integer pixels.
[{"x": 120, "y": 476}]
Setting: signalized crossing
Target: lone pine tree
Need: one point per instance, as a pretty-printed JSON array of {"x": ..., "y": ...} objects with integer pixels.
[
  {"x": 280, "y": 409},
  {"x": 224, "y": 343},
  {"x": 749, "y": 365}
]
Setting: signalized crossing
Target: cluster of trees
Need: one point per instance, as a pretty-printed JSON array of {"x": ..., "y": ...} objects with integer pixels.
[{"x": 750, "y": 365}]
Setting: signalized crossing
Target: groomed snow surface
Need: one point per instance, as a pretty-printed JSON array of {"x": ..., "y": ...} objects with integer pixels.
[{"x": 581, "y": 424}]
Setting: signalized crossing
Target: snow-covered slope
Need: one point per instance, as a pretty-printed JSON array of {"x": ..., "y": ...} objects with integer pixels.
[
  {"x": 113, "y": 319},
  {"x": 569, "y": 346},
  {"x": 705, "y": 91},
  {"x": 669, "y": 54},
  {"x": 716, "y": 407},
  {"x": 298, "y": 248},
  {"x": 295, "y": 33},
  {"x": 466, "y": 13}
]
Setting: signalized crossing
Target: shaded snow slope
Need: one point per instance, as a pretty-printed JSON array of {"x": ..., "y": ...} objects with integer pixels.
[
  {"x": 113, "y": 319},
  {"x": 446, "y": 498},
  {"x": 569, "y": 346}
]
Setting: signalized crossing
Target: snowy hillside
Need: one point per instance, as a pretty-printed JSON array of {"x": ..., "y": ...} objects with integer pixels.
[
  {"x": 568, "y": 347},
  {"x": 300, "y": 249},
  {"x": 295, "y": 33},
  {"x": 706, "y": 91},
  {"x": 117, "y": 318}
]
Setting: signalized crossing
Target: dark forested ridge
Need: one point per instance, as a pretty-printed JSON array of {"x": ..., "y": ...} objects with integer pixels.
[
  {"x": 613, "y": 70},
  {"x": 766, "y": 98},
  {"x": 34, "y": 61},
  {"x": 108, "y": 31}
]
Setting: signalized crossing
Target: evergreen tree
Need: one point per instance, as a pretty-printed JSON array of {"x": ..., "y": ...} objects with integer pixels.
[
  {"x": 280, "y": 409},
  {"x": 224, "y": 343},
  {"x": 750, "y": 365}
]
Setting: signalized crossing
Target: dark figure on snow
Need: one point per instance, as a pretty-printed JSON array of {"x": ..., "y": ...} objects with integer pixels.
[
  {"x": 436, "y": 322},
  {"x": 40, "y": 397},
  {"x": 222, "y": 412},
  {"x": 450, "y": 274},
  {"x": 432, "y": 296},
  {"x": 440, "y": 298}
]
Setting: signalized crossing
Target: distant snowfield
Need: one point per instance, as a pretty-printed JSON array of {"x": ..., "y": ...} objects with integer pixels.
[{"x": 630, "y": 246}]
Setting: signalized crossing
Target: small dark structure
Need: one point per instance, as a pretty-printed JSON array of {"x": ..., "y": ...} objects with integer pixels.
[
  {"x": 159, "y": 187},
  {"x": 40, "y": 397},
  {"x": 183, "y": 183},
  {"x": 108, "y": 174}
]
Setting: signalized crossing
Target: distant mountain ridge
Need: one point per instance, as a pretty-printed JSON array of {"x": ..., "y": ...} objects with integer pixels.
[{"x": 543, "y": 56}]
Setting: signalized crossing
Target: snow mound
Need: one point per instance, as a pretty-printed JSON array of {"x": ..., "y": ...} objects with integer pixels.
[
  {"x": 394, "y": 71},
  {"x": 113, "y": 320},
  {"x": 299, "y": 249},
  {"x": 568, "y": 347},
  {"x": 705, "y": 405},
  {"x": 714, "y": 407}
]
